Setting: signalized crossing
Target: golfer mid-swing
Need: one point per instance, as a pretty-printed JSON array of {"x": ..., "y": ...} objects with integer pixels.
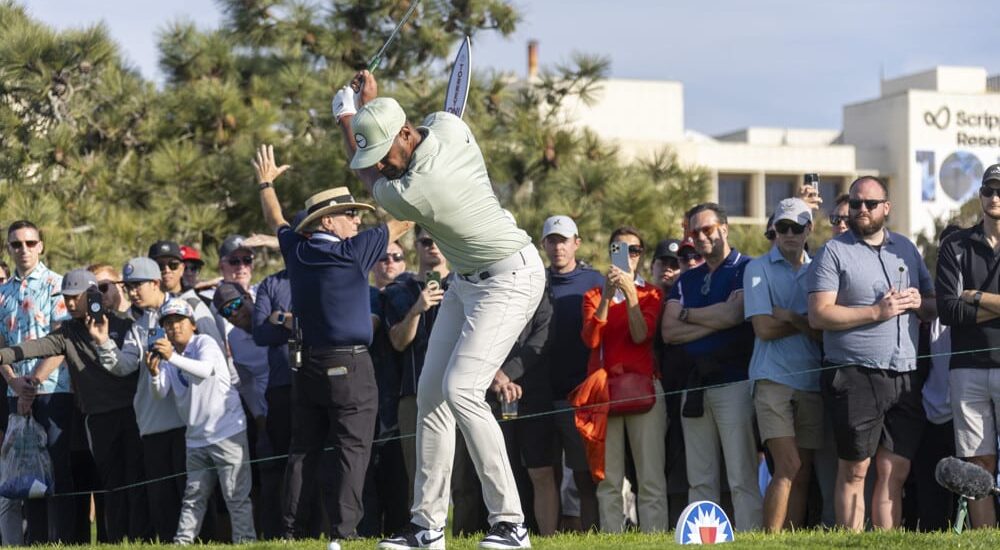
[{"x": 435, "y": 175}]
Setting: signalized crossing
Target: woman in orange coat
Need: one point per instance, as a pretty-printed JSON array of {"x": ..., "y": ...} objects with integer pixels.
[{"x": 619, "y": 322}]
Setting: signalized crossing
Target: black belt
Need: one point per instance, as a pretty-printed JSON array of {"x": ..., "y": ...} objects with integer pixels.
[{"x": 353, "y": 350}]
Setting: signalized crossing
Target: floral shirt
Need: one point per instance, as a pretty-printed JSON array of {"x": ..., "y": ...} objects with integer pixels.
[{"x": 29, "y": 307}]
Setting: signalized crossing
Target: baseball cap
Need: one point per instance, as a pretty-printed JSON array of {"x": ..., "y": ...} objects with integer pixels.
[
  {"x": 189, "y": 254},
  {"x": 140, "y": 269},
  {"x": 794, "y": 210},
  {"x": 560, "y": 225},
  {"x": 232, "y": 244},
  {"x": 176, "y": 306},
  {"x": 375, "y": 127},
  {"x": 991, "y": 174},
  {"x": 227, "y": 292},
  {"x": 77, "y": 282},
  {"x": 161, "y": 249},
  {"x": 667, "y": 248}
]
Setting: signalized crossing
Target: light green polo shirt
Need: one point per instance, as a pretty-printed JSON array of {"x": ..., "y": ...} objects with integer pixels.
[{"x": 447, "y": 191}]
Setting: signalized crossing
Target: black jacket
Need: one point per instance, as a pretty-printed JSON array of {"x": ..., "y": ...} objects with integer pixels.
[{"x": 967, "y": 261}]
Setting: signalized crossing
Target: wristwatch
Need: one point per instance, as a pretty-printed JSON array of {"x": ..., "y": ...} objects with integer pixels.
[
  {"x": 281, "y": 318},
  {"x": 683, "y": 317},
  {"x": 264, "y": 185},
  {"x": 977, "y": 297}
]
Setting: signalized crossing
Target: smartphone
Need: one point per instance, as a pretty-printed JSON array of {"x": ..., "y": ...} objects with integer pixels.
[
  {"x": 433, "y": 276},
  {"x": 619, "y": 256},
  {"x": 812, "y": 179},
  {"x": 154, "y": 335},
  {"x": 95, "y": 305}
]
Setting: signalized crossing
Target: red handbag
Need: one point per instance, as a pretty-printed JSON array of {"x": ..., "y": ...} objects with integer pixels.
[{"x": 630, "y": 392}]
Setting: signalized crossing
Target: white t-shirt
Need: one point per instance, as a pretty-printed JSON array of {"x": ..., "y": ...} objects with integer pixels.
[{"x": 203, "y": 391}]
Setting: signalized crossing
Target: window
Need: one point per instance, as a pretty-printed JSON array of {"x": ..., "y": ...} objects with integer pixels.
[
  {"x": 829, "y": 189},
  {"x": 733, "y": 193},
  {"x": 777, "y": 188}
]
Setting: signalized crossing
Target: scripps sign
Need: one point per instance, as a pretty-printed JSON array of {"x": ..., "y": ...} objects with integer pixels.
[{"x": 972, "y": 128}]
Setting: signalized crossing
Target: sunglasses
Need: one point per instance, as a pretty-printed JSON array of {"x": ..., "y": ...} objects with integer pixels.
[
  {"x": 671, "y": 263},
  {"x": 105, "y": 286},
  {"x": 350, "y": 213},
  {"x": 784, "y": 228},
  {"x": 18, "y": 245},
  {"x": 229, "y": 309},
  {"x": 394, "y": 257},
  {"x": 837, "y": 220},
  {"x": 426, "y": 242},
  {"x": 870, "y": 204},
  {"x": 192, "y": 267},
  {"x": 706, "y": 231},
  {"x": 989, "y": 192},
  {"x": 236, "y": 261},
  {"x": 634, "y": 250},
  {"x": 172, "y": 265},
  {"x": 690, "y": 257}
]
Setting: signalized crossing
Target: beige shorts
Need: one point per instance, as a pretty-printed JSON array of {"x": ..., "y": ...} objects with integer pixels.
[
  {"x": 783, "y": 411},
  {"x": 975, "y": 401}
]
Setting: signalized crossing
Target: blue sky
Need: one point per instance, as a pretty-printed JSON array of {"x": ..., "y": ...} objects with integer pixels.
[{"x": 743, "y": 62}]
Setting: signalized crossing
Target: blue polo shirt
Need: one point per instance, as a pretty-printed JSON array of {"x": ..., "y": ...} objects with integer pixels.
[
  {"x": 770, "y": 282},
  {"x": 329, "y": 280},
  {"x": 702, "y": 287},
  {"x": 568, "y": 356}
]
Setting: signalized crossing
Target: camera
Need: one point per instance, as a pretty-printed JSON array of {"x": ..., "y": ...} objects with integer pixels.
[{"x": 95, "y": 305}]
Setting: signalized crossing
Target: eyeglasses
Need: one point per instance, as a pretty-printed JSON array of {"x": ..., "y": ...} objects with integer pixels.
[
  {"x": 690, "y": 257},
  {"x": 350, "y": 213},
  {"x": 394, "y": 257},
  {"x": 236, "y": 261},
  {"x": 134, "y": 285},
  {"x": 784, "y": 228},
  {"x": 989, "y": 192},
  {"x": 706, "y": 231},
  {"x": 18, "y": 245},
  {"x": 837, "y": 220},
  {"x": 870, "y": 204},
  {"x": 426, "y": 242},
  {"x": 172, "y": 265},
  {"x": 231, "y": 307}
]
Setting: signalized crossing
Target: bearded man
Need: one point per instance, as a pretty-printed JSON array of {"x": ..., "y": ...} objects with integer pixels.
[{"x": 869, "y": 289}]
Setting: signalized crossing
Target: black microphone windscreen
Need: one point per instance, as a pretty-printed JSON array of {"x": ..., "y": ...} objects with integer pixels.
[{"x": 963, "y": 478}]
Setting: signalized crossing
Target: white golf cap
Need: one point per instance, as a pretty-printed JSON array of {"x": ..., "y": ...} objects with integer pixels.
[
  {"x": 793, "y": 210},
  {"x": 560, "y": 225}
]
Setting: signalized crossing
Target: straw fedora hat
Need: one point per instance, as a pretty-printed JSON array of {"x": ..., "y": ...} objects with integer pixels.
[{"x": 328, "y": 202}]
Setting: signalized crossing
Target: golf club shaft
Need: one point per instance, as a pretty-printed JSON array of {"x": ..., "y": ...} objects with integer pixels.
[{"x": 392, "y": 37}]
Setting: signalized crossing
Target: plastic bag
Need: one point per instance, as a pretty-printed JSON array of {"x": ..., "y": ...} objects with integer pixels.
[{"x": 25, "y": 466}]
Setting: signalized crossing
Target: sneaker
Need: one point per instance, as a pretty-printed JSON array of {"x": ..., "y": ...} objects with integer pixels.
[
  {"x": 504, "y": 534},
  {"x": 413, "y": 537}
]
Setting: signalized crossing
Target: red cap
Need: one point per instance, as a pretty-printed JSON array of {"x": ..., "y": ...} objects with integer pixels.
[
  {"x": 686, "y": 243},
  {"x": 190, "y": 254}
]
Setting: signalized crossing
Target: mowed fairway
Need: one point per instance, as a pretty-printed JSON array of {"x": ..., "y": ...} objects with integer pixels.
[{"x": 799, "y": 541}]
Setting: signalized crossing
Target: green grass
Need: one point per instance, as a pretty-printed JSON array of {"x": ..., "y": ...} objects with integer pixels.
[{"x": 799, "y": 541}]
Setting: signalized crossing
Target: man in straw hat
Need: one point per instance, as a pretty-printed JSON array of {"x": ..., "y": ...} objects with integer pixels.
[
  {"x": 435, "y": 175},
  {"x": 335, "y": 396}
]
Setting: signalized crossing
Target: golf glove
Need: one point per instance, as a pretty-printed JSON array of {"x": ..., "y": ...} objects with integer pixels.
[{"x": 343, "y": 103}]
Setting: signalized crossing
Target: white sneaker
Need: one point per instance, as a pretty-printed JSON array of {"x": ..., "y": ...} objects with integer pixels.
[
  {"x": 414, "y": 537},
  {"x": 504, "y": 535}
]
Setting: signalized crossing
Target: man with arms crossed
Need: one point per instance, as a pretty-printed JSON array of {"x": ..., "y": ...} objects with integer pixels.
[
  {"x": 785, "y": 364},
  {"x": 865, "y": 285},
  {"x": 968, "y": 298},
  {"x": 435, "y": 175}
]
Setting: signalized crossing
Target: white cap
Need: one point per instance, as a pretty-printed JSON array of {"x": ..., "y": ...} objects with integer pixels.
[{"x": 560, "y": 225}]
